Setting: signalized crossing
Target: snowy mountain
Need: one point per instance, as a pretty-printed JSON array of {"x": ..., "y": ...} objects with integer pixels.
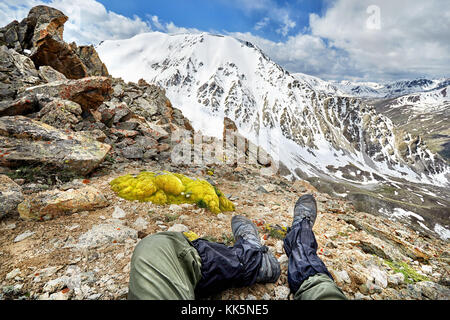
[
  {"x": 380, "y": 90},
  {"x": 311, "y": 132}
]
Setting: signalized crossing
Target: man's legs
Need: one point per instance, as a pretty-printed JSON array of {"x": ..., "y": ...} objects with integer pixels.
[
  {"x": 164, "y": 266},
  {"x": 308, "y": 277},
  {"x": 167, "y": 266}
]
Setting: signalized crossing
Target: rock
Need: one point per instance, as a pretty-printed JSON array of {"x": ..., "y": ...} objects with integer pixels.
[
  {"x": 175, "y": 207},
  {"x": 341, "y": 276},
  {"x": 55, "y": 285},
  {"x": 283, "y": 260},
  {"x": 21, "y": 106},
  {"x": 281, "y": 293},
  {"x": 379, "y": 276},
  {"x": 140, "y": 224},
  {"x": 23, "y": 236},
  {"x": 88, "y": 92},
  {"x": 178, "y": 228},
  {"x": 10, "y": 195},
  {"x": 146, "y": 107},
  {"x": 266, "y": 296},
  {"x": 16, "y": 73},
  {"x": 13, "y": 35},
  {"x": 50, "y": 204},
  {"x": 61, "y": 114},
  {"x": 92, "y": 61},
  {"x": 48, "y": 74},
  {"x": 427, "y": 269},
  {"x": 154, "y": 131},
  {"x": 433, "y": 291},
  {"x": 14, "y": 273},
  {"x": 132, "y": 152},
  {"x": 26, "y": 141},
  {"x": 279, "y": 246},
  {"x": 396, "y": 279},
  {"x": 371, "y": 248},
  {"x": 118, "y": 213},
  {"x": 106, "y": 234},
  {"x": 46, "y": 26}
]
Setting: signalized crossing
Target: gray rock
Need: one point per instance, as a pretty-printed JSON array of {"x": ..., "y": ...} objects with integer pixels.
[
  {"x": 106, "y": 234},
  {"x": 118, "y": 213},
  {"x": 178, "y": 227},
  {"x": 30, "y": 141},
  {"x": 10, "y": 196},
  {"x": 49, "y": 74},
  {"x": 281, "y": 293},
  {"x": 23, "y": 236},
  {"x": 14, "y": 273},
  {"x": 432, "y": 290}
]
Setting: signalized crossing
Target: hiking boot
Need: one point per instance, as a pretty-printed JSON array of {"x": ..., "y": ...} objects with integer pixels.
[
  {"x": 305, "y": 208},
  {"x": 243, "y": 228}
]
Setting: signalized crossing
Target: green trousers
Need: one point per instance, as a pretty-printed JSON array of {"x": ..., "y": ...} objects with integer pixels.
[{"x": 165, "y": 266}]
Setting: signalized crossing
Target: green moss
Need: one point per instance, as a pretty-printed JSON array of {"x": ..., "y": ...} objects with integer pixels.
[
  {"x": 411, "y": 275},
  {"x": 171, "y": 188},
  {"x": 275, "y": 231}
]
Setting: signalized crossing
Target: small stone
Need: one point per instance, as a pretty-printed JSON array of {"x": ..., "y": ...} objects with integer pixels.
[
  {"x": 341, "y": 276},
  {"x": 427, "y": 269},
  {"x": 266, "y": 296},
  {"x": 279, "y": 246},
  {"x": 281, "y": 293},
  {"x": 55, "y": 285},
  {"x": 175, "y": 207},
  {"x": 283, "y": 260},
  {"x": 396, "y": 279},
  {"x": 379, "y": 276},
  {"x": 118, "y": 213},
  {"x": 140, "y": 224},
  {"x": 23, "y": 236},
  {"x": 250, "y": 297},
  {"x": 11, "y": 275},
  {"x": 178, "y": 227}
]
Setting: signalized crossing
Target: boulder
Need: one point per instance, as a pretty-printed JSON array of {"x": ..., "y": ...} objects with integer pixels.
[
  {"x": 92, "y": 61},
  {"x": 24, "y": 141},
  {"x": 47, "y": 45},
  {"x": 51, "y": 204},
  {"x": 16, "y": 73},
  {"x": 22, "y": 106},
  {"x": 88, "y": 92},
  {"x": 62, "y": 114},
  {"x": 13, "y": 35},
  {"x": 10, "y": 195},
  {"x": 49, "y": 74}
]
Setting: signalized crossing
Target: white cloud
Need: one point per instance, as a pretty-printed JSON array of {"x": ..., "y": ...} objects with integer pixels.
[
  {"x": 273, "y": 12},
  {"x": 412, "y": 38},
  {"x": 262, "y": 23}
]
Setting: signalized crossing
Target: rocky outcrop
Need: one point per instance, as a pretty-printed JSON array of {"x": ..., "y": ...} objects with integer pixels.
[
  {"x": 17, "y": 72},
  {"x": 10, "y": 195},
  {"x": 42, "y": 33},
  {"x": 24, "y": 141},
  {"x": 51, "y": 204},
  {"x": 88, "y": 92},
  {"x": 91, "y": 60}
]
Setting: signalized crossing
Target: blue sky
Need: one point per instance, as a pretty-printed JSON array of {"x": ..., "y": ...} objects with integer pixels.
[
  {"x": 224, "y": 16},
  {"x": 359, "y": 40}
]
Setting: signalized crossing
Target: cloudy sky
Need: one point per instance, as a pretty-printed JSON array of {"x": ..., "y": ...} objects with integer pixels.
[{"x": 367, "y": 40}]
